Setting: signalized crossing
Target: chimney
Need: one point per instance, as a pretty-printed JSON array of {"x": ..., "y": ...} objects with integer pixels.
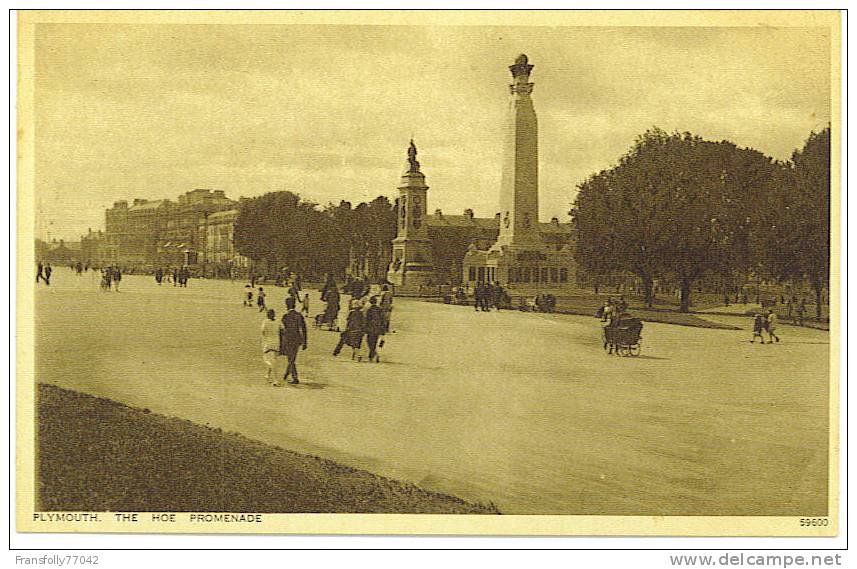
[
  {"x": 555, "y": 221},
  {"x": 468, "y": 213},
  {"x": 438, "y": 213},
  {"x": 139, "y": 201},
  {"x": 497, "y": 216}
]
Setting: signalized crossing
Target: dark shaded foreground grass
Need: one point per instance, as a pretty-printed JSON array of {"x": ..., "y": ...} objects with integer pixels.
[{"x": 98, "y": 455}]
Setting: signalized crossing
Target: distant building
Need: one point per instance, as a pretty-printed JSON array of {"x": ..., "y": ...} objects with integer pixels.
[
  {"x": 59, "y": 252},
  {"x": 92, "y": 250},
  {"x": 220, "y": 253},
  {"x": 161, "y": 232}
]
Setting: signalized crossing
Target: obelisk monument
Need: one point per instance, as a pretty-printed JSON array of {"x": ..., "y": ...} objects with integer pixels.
[{"x": 519, "y": 187}]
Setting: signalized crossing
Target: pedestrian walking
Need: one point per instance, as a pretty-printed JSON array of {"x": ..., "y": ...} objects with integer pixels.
[
  {"x": 374, "y": 326},
  {"x": 758, "y": 326},
  {"x": 305, "y": 304},
  {"x": 117, "y": 278},
  {"x": 40, "y": 270},
  {"x": 293, "y": 337},
  {"x": 271, "y": 332},
  {"x": 772, "y": 326},
  {"x": 352, "y": 336},
  {"x": 331, "y": 311},
  {"x": 248, "y": 295},
  {"x": 47, "y": 276},
  {"x": 386, "y": 304},
  {"x": 260, "y": 300}
]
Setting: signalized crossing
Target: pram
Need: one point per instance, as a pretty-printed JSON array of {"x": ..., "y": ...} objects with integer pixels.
[{"x": 623, "y": 338}]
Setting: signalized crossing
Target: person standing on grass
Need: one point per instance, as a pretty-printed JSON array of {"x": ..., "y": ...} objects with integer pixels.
[
  {"x": 293, "y": 336},
  {"x": 248, "y": 295},
  {"x": 772, "y": 325},
  {"x": 758, "y": 326},
  {"x": 801, "y": 311},
  {"x": 117, "y": 277},
  {"x": 305, "y": 304},
  {"x": 271, "y": 332},
  {"x": 47, "y": 275},
  {"x": 40, "y": 272}
]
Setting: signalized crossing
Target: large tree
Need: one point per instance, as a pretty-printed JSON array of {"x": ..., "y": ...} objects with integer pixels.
[
  {"x": 675, "y": 206},
  {"x": 792, "y": 234},
  {"x": 281, "y": 229}
]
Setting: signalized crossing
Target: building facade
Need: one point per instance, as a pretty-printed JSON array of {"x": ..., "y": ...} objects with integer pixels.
[
  {"x": 150, "y": 233},
  {"x": 220, "y": 254}
]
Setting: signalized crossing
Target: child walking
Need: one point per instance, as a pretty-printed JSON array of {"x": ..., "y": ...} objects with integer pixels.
[
  {"x": 758, "y": 326},
  {"x": 260, "y": 300}
]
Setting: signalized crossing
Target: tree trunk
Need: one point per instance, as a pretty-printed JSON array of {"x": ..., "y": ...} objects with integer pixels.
[
  {"x": 648, "y": 291},
  {"x": 685, "y": 295}
]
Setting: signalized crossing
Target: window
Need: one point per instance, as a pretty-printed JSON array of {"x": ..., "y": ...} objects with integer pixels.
[
  {"x": 525, "y": 274},
  {"x": 471, "y": 273},
  {"x": 481, "y": 274},
  {"x": 554, "y": 274},
  {"x": 563, "y": 275},
  {"x": 545, "y": 274}
]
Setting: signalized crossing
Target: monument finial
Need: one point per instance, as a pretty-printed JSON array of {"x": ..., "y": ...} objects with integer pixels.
[{"x": 521, "y": 68}]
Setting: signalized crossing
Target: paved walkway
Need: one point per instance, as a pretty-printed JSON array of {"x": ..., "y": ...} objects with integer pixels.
[{"x": 523, "y": 410}]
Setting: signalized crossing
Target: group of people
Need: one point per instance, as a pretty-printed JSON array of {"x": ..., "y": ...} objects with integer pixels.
[
  {"x": 368, "y": 320},
  {"x": 43, "y": 273},
  {"x": 612, "y": 309},
  {"x": 766, "y": 323},
  {"x": 111, "y": 276},
  {"x": 544, "y": 302},
  {"x": 179, "y": 276},
  {"x": 490, "y": 295}
]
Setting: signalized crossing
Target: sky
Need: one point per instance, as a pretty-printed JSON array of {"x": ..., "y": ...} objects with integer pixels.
[{"x": 152, "y": 111}]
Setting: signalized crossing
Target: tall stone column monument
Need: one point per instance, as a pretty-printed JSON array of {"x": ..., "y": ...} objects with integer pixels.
[{"x": 519, "y": 186}]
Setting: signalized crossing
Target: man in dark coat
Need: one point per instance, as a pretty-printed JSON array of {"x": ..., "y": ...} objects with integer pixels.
[
  {"x": 292, "y": 337},
  {"x": 47, "y": 275},
  {"x": 375, "y": 326}
]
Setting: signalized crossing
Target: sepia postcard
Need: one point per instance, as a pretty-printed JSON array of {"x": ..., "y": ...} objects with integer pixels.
[{"x": 428, "y": 272}]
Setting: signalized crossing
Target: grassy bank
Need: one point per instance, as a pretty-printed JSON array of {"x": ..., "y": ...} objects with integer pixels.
[{"x": 98, "y": 455}]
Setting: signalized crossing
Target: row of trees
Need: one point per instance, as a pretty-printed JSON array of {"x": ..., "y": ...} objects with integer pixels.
[
  {"x": 280, "y": 229},
  {"x": 677, "y": 207}
]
